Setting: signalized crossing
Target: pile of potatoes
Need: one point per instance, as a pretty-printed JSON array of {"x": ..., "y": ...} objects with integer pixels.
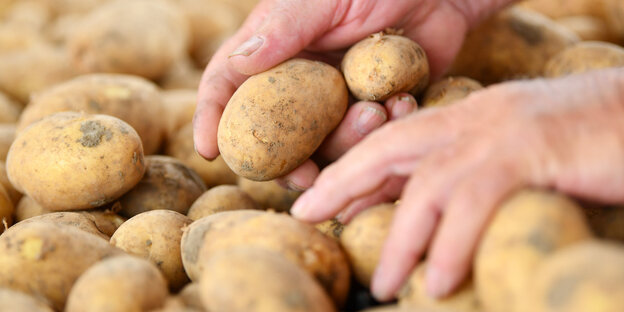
[{"x": 106, "y": 206}]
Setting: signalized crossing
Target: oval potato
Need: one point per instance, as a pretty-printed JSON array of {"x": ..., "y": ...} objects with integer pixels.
[{"x": 583, "y": 57}]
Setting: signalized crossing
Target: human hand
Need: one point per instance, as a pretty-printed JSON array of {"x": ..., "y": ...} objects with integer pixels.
[
  {"x": 462, "y": 160},
  {"x": 278, "y": 30}
]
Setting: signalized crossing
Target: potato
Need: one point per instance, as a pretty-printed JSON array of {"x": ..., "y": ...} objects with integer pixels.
[
  {"x": 9, "y": 109},
  {"x": 64, "y": 7},
  {"x": 512, "y": 44},
  {"x": 191, "y": 297},
  {"x": 6, "y": 210},
  {"x": 14, "y": 195},
  {"x": 528, "y": 227},
  {"x": 30, "y": 15},
  {"x": 123, "y": 283},
  {"x": 588, "y": 28},
  {"x": 141, "y": 37},
  {"x": 179, "y": 107},
  {"x": 129, "y": 98},
  {"x": 269, "y": 194},
  {"x": 155, "y": 235},
  {"x": 167, "y": 184},
  {"x": 181, "y": 75},
  {"x": 583, "y": 57},
  {"x": 97, "y": 157},
  {"x": 244, "y": 6},
  {"x": 331, "y": 228},
  {"x": 235, "y": 280},
  {"x": 81, "y": 221},
  {"x": 220, "y": 198},
  {"x": 174, "y": 304},
  {"x": 45, "y": 259},
  {"x": 362, "y": 240},
  {"x": 277, "y": 119},
  {"x": 449, "y": 90},
  {"x": 383, "y": 65},
  {"x": 614, "y": 11},
  {"x": 414, "y": 294},
  {"x": 561, "y": 8},
  {"x": 27, "y": 208},
  {"x": 61, "y": 28},
  {"x": 7, "y": 136},
  {"x": 15, "y": 38},
  {"x": 215, "y": 172},
  {"x": 588, "y": 276},
  {"x": 299, "y": 242},
  {"x": 107, "y": 221},
  {"x": 607, "y": 221},
  {"x": 11, "y": 300},
  {"x": 31, "y": 70}
]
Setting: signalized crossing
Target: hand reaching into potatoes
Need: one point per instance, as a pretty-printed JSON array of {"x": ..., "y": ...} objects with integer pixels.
[
  {"x": 278, "y": 30},
  {"x": 460, "y": 161}
]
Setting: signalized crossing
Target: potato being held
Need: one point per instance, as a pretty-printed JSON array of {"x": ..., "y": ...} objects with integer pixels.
[{"x": 277, "y": 119}]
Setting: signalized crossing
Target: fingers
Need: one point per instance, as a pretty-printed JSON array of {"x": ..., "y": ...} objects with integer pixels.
[
  {"x": 389, "y": 192},
  {"x": 288, "y": 28},
  {"x": 400, "y": 105},
  {"x": 302, "y": 177}
]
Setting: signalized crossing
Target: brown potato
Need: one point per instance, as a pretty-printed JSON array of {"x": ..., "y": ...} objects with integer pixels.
[
  {"x": 235, "y": 280},
  {"x": 11, "y": 300},
  {"x": 142, "y": 37},
  {"x": 155, "y": 235},
  {"x": 528, "y": 227},
  {"x": 123, "y": 283},
  {"x": 331, "y": 228},
  {"x": 221, "y": 198},
  {"x": 14, "y": 195},
  {"x": 414, "y": 294},
  {"x": 45, "y": 259},
  {"x": 362, "y": 240},
  {"x": 97, "y": 157},
  {"x": 277, "y": 119},
  {"x": 583, "y": 57},
  {"x": 215, "y": 172},
  {"x": 7, "y": 136},
  {"x": 512, "y": 44},
  {"x": 9, "y": 109},
  {"x": 269, "y": 194},
  {"x": 129, "y": 98},
  {"x": 449, "y": 90},
  {"x": 299, "y": 242},
  {"x": 167, "y": 184},
  {"x": 587, "y": 276},
  {"x": 383, "y": 65},
  {"x": 588, "y": 28}
]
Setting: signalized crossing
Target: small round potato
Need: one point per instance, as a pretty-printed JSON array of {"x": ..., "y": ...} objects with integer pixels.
[
  {"x": 132, "y": 99},
  {"x": 122, "y": 283},
  {"x": 383, "y": 65},
  {"x": 449, "y": 90},
  {"x": 583, "y": 57},
  {"x": 528, "y": 227},
  {"x": 220, "y": 198},
  {"x": 167, "y": 184},
  {"x": 362, "y": 240},
  {"x": 70, "y": 161},
  {"x": 235, "y": 280},
  {"x": 269, "y": 194},
  {"x": 277, "y": 119},
  {"x": 142, "y": 37},
  {"x": 11, "y": 300},
  {"x": 156, "y": 235}
]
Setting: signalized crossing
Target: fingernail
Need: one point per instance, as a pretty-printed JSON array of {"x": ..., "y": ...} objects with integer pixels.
[
  {"x": 300, "y": 208},
  {"x": 370, "y": 119},
  {"x": 294, "y": 186},
  {"x": 438, "y": 283},
  {"x": 403, "y": 106},
  {"x": 248, "y": 47},
  {"x": 379, "y": 284}
]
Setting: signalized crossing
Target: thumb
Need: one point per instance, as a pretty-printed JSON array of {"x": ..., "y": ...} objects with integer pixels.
[{"x": 288, "y": 28}]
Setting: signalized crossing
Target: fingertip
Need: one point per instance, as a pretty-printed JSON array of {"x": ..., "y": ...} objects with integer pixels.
[
  {"x": 302, "y": 177},
  {"x": 401, "y": 105},
  {"x": 205, "y": 127},
  {"x": 438, "y": 283}
]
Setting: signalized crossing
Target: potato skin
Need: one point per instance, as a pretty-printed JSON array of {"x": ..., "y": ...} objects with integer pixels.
[
  {"x": 78, "y": 220},
  {"x": 528, "y": 227},
  {"x": 299, "y": 242},
  {"x": 132, "y": 99},
  {"x": 588, "y": 28},
  {"x": 383, "y": 65},
  {"x": 614, "y": 11},
  {"x": 9, "y": 109},
  {"x": 236, "y": 280},
  {"x": 513, "y": 44},
  {"x": 97, "y": 157},
  {"x": 179, "y": 107},
  {"x": 583, "y": 57},
  {"x": 156, "y": 235},
  {"x": 167, "y": 184},
  {"x": 278, "y": 118},
  {"x": 11, "y": 300},
  {"x": 7, "y": 136},
  {"x": 122, "y": 283},
  {"x": 45, "y": 259},
  {"x": 331, "y": 228},
  {"x": 587, "y": 276},
  {"x": 362, "y": 240},
  {"x": 220, "y": 198},
  {"x": 269, "y": 194},
  {"x": 449, "y": 90}
]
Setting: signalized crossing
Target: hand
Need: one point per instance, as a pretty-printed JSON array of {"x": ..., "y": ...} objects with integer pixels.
[
  {"x": 462, "y": 160},
  {"x": 278, "y": 30}
]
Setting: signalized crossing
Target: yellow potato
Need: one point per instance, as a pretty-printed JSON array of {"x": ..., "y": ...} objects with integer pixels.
[
  {"x": 11, "y": 300},
  {"x": 167, "y": 184},
  {"x": 7, "y": 136},
  {"x": 132, "y": 99},
  {"x": 583, "y": 57},
  {"x": 269, "y": 194},
  {"x": 191, "y": 297},
  {"x": 277, "y": 119},
  {"x": 221, "y": 198},
  {"x": 215, "y": 172},
  {"x": 27, "y": 208},
  {"x": 122, "y": 283},
  {"x": 179, "y": 107},
  {"x": 257, "y": 280},
  {"x": 588, "y": 276},
  {"x": 15, "y": 38},
  {"x": 181, "y": 75},
  {"x": 449, "y": 90},
  {"x": 9, "y": 109},
  {"x": 331, "y": 228},
  {"x": 79, "y": 220},
  {"x": 97, "y": 157},
  {"x": 383, "y": 65},
  {"x": 30, "y": 15},
  {"x": 155, "y": 235},
  {"x": 528, "y": 227}
]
